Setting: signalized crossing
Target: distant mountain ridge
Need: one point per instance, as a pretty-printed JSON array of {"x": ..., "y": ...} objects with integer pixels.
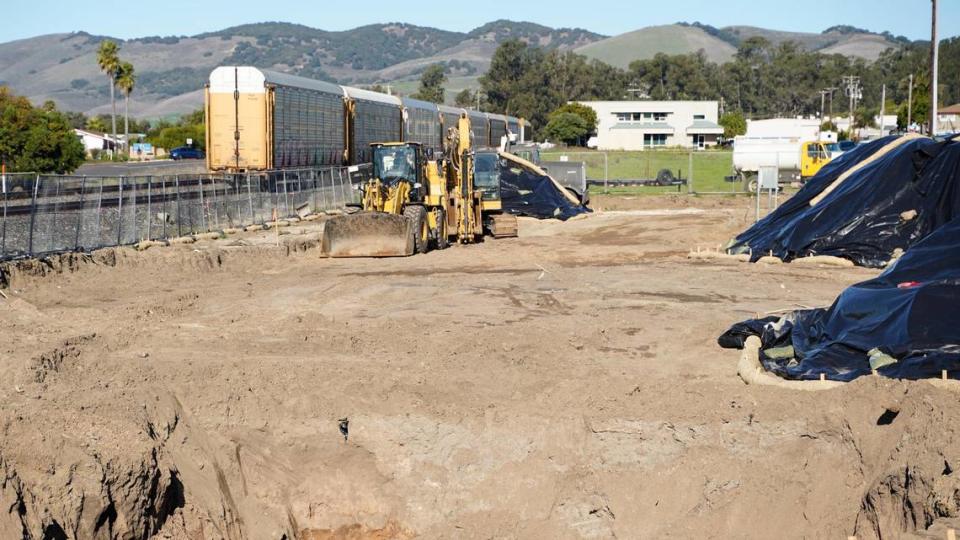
[
  {"x": 720, "y": 44},
  {"x": 172, "y": 69}
]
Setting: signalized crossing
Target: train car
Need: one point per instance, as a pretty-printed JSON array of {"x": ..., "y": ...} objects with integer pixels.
[
  {"x": 498, "y": 129},
  {"x": 515, "y": 126},
  {"x": 372, "y": 117},
  {"x": 449, "y": 116},
  {"x": 260, "y": 119},
  {"x": 480, "y": 128},
  {"x": 421, "y": 123}
]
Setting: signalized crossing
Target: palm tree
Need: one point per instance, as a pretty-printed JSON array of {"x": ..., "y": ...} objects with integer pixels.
[
  {"x": 126, "y": 80},
  {"x": 109, "y": 62}
]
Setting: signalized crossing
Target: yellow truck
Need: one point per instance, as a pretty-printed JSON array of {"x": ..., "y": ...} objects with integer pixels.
[{"x": 796, "y": 159}]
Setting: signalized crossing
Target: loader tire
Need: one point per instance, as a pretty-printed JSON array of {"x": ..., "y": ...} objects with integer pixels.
[
  {"x": 420, "y": 230},
  {"x": 443, "y": 235}
]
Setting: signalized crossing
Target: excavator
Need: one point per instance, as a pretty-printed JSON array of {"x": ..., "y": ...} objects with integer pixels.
[{"x": 413, "y": 202}]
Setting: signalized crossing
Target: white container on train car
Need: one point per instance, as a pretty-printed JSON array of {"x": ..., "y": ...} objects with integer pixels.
[{"x": 259, "y": 119}]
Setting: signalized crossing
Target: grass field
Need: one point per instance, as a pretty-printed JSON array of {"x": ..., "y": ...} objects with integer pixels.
[{"x": 709, "y": 167}]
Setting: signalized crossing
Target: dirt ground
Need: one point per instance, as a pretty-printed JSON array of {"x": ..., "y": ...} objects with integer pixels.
[{"x": 564, "y": 384}]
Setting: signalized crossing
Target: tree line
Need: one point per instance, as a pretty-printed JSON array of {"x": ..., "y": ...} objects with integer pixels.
[{"x": 763, "y": 80}]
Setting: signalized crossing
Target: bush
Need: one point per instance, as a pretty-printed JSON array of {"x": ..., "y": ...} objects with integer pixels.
[
  {"x": 36, "y": 139},
  {"x": 567, "y": 127}
]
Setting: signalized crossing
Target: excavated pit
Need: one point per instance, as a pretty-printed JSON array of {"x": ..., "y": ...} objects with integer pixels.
[{"x": 546, "y": 386}]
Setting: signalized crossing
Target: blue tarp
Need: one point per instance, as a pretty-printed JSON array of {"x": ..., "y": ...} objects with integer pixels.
[{"x": 889, "y": 204}]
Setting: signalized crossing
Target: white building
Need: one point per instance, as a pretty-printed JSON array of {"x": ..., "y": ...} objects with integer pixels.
[
  {"x": 639, "y": 125},
  {"x": 96, "y": 141},
  {"x": 948, "y": 119}
]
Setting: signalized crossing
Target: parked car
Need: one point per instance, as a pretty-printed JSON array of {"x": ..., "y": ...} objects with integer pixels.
[{"x": 186, "y": 152}]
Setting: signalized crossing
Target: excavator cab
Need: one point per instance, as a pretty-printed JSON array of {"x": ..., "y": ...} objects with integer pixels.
[{"x": 486, "y": 175}]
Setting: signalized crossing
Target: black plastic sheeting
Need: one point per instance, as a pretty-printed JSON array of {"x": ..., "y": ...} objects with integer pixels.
[
  {"x": 526, "y": 193},
  {"x": 905, "y": 322},
  {"x": 862, "y": 219}
]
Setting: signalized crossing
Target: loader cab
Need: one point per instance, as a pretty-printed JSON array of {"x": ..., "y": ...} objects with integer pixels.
[{"x": 399, "y": 162}]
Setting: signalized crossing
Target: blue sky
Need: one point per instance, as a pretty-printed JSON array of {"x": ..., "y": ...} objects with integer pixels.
[{"x": 123, "y": 19}]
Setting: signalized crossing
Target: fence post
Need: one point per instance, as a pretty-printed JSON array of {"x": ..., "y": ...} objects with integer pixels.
[
  {"x": 235, "y": 180},
  {"x": 120, "y": 211},
  {"x": 286, "y": 202},
  {"x": 299, "y": 191},
  {"x": 83, "y": 192},
  {"x": 343, "y": 189},
  {"x": 606, "y": 174},
  {"x": 3, "y": 226},
  {"x": 176, "y": 186},
  {"x": 99, "y": 210},
  {"x": 56, "y": 214},
  {"x": 33, "y": 214},
  {"x": 150, "y": 207},
  {"x": 163, "y": 202},
  {"x": 323, "y": 190},
  {"x": 216, "y": 203},
  {"x": 203, "y": 210},
  {"x": 690, "y": 172}
]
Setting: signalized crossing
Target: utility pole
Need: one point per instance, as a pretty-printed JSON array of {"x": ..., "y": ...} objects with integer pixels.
[
  {"x": 854, "y": 92},
  {"x": 832, "y": 90},
  {"x": 828, "y": 91},
  {"x": 883, "y": 105},
  {"x": 934, "y": 61},
  {"x": 910, "y": 103}
]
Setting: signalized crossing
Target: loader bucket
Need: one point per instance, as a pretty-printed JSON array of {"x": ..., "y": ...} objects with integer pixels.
[{"x": 368, "y": 234}]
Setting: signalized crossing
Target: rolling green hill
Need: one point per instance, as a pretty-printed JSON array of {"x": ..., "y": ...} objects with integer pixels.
[
  {"x": 646, "y": 42},
  {"x": 720, "y": 44}
]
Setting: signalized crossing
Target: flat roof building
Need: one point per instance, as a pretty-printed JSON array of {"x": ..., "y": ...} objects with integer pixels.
[{"x": 641, "y": 125}]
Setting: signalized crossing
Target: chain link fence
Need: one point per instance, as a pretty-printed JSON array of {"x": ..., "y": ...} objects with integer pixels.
[
  {"x": 704, "y": 171},
  {"x": 44, "y": 214}
]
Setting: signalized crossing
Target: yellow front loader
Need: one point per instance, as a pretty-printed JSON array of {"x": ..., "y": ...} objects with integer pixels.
[{"x": 412, "y": 203}]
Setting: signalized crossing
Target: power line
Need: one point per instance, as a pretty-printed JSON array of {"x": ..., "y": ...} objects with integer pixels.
[{"x": 853, "y": 90}]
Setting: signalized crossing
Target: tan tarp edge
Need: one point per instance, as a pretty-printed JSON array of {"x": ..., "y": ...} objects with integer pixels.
[
  {"x": 528, "y": 165},
  {"x": 877, "y": 155},
  {"x": 752, "y": 372}
]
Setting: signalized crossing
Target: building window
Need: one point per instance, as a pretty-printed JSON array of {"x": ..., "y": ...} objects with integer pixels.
[
  {"x": 654, "y": 139},
  {"x": 641, "y": 116},
  {"x": 699, "y": 117}
]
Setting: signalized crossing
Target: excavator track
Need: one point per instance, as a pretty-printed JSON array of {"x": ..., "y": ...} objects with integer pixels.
[{"x": 502, "y": 225}]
